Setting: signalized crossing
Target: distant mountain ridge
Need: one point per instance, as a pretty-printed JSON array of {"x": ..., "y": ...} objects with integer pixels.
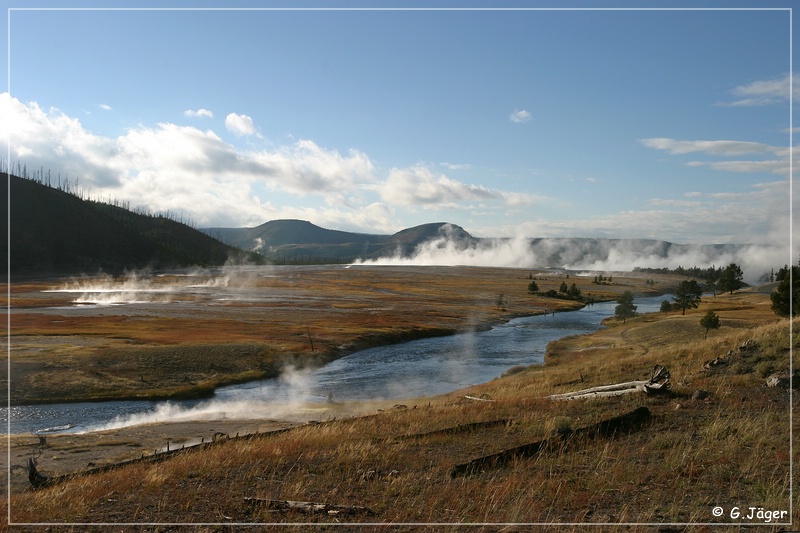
[{"x": 299, "y": 241}]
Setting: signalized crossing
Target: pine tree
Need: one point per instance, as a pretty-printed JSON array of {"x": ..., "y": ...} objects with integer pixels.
[
  {"x": 625, "y": 309},
  {"x": 687, "y": 295},
  {"x": 710, "y": 321}
]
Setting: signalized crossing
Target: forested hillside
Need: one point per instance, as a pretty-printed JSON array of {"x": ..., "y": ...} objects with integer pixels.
[{"x": 52, "y": 230}]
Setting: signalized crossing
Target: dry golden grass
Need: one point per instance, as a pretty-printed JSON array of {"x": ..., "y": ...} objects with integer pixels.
[{"x": 729, "y": 450}]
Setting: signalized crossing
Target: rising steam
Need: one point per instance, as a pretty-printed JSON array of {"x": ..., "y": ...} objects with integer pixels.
[
  {"x": 230, "y": 282},
  {"x": 609, "y": 255},
  {"x": 288, "y": 398}
]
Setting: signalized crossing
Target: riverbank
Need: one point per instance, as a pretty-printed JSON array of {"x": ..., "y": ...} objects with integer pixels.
[
  {"x": 66, "y": 453},
  {"x": 727, "y": 449},
  {"x": 182, "y": 337}
]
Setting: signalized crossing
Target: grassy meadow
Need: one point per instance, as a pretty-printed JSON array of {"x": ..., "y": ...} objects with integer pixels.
[{"x": 729, "y": 449}]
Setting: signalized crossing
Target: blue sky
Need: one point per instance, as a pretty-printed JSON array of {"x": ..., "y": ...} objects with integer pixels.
[{"x": 666, "y": 124}]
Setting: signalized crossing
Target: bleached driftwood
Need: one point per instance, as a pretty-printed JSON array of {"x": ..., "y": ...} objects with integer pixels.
[
  {"x": 468, "y": 397},
  {"x": 308, "y": 507},
  {"x": 658, "y": 383}
]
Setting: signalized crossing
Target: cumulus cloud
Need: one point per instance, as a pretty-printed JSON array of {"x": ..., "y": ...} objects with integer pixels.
[
  {"x": 104, "y": 107},
  {"x": 177, "y": 168},
  {"x": 198, "y": 113},
  {"x": 765, "y": 92},
  {"x": 419, "y": 185},
  {"x": 520, "y": 116},
  {"x": 306, "y": 168},
  {"x": 169, "y": 167},
  {"x": 240, "y": 125},
  {"x": 54, "y": 140}
]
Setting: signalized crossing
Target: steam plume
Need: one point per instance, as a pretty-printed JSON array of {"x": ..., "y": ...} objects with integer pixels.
[{"x": 609, "y": 255}]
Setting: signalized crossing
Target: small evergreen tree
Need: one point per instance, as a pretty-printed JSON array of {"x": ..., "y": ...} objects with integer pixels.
[
  {"x": 710, "y": 321},
  {"x": 574, "y": 292},
  {"x": 666, "y": 306},
  {"x": 533, "y": 287}
]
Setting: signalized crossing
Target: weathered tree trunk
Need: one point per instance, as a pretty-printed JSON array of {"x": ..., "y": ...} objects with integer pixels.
[
  {"x": 658, "y": 383},
  {"x": 36, "y": 478},
  {"x": 626, "y": 423}
]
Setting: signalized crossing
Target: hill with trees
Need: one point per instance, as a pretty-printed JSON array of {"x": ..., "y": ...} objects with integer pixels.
[{"x": 55, "y": 231}]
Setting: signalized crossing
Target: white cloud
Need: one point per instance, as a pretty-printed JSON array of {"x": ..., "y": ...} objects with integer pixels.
[
  {"x": 771, "y": 166},
  {"x": 419, "y": 185},
  {"x": 765, "y": 92},
  {"x": 520, "y": 116},
  {"x": 456, "y": 166},
  {"x": 104, "y": 107},
  {"x": 186, "y": 169},
  {"x": 306, "y": 168},
  {"x": 198, "y": 113},
  {"x": 240, "y": 125},
  {"x": 178, "y": 168},
  {"x": 55, "y": 141},
  {"x": 521, "y": 199},
  {"x": 725, "y": 148}
]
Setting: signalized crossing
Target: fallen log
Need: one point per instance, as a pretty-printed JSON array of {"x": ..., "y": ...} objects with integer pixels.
[
  {"x": 658, "y": 383},
  {"x": 622, "y": 424},
  {"x": 460, "y": 428},
  {"x": 308, "y": 507}
]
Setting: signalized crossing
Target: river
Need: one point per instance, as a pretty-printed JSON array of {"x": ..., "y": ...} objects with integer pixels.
[{"x": 423, "y": 367}]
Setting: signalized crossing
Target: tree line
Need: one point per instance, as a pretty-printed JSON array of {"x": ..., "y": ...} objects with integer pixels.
[
  {"x": 565, "y": 292},
  {"x": 73, "y": 186},
  {"x": 688, "y": 294}
]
